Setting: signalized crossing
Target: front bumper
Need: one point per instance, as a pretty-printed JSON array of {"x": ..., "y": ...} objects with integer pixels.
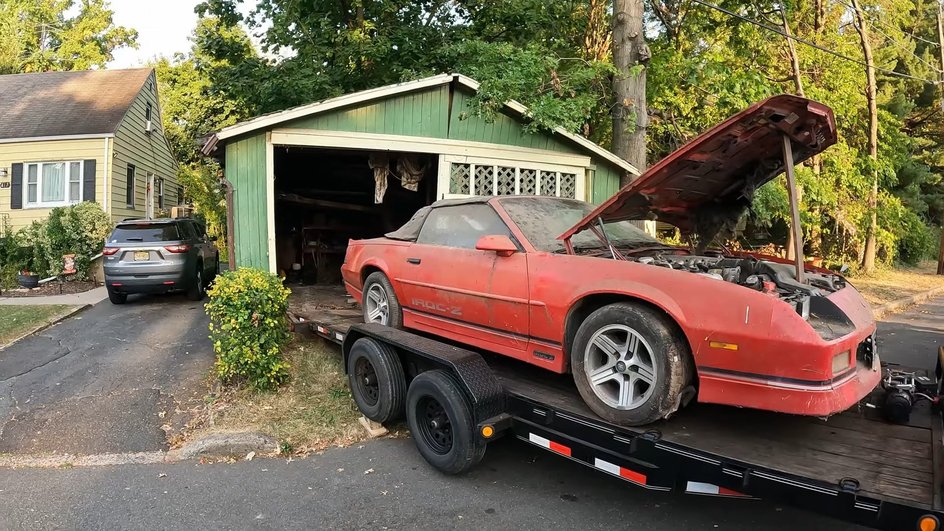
[{"x": 784, "y": 395}]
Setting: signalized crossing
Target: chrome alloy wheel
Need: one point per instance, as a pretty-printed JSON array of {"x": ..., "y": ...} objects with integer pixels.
[
  {"x": 620, "y": 367},
  {"x": 378, "y": 310}
]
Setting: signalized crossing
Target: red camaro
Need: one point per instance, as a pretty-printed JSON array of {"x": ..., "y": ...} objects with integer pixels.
[{"x": 642, "y": 326}]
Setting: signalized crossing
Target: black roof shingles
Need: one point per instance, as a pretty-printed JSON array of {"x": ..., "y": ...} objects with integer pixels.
[{"x": 53, "y": 104}]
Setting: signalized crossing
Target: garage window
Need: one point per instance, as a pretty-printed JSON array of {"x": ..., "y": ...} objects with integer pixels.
[
  {"x": 461, "y": 226},
  {"x": 464, "y": 178}
]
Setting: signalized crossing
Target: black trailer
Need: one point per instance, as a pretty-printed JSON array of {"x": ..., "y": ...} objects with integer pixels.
[{"x": 854, "y": 466}]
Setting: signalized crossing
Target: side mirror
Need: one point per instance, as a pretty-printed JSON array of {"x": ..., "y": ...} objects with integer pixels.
[{"x": 501, "y": 244}]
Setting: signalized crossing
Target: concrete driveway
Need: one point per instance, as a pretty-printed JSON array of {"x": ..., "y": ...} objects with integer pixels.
[{"x": 111, "y": 379}]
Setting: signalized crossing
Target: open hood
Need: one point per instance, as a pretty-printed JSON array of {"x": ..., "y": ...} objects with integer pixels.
[{"x": 709, "y": 182}]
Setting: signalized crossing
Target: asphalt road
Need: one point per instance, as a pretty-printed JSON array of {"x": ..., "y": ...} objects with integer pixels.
[
  {"x": 106, "y": 380},
  {"x": 384, "y": 484}
]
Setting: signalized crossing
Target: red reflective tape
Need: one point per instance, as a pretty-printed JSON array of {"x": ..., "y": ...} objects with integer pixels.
[
  {"x": 728, "y": 492},
  {"x": 559, "y": 448},
  {"x": 626, "y": 473}
]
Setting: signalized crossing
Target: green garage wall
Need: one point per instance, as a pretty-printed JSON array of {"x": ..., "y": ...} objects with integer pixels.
[
  {"x": 425, "y": 112},
  {"x": 246, "y": 170}
]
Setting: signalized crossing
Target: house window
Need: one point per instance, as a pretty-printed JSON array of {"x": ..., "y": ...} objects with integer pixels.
[
  {"x": 147, "y": 112},
  {"x": 129, "y": 189},
  {"x": 50, "y": 184},
  {"x": 160, "y": 192}
]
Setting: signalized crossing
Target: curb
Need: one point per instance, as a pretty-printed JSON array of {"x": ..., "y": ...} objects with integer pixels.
[
  {"x": 893, "y": 306},
  {"x": 46, "y": 324}
]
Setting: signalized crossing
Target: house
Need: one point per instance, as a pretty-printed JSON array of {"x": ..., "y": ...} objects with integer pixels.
[
  {"x": 67, "y": 137},
  {"x": 307, "y": 179}
]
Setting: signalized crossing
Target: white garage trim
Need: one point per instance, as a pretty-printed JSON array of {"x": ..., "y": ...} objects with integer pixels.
[
  {"x": 420, "y": 144},
  {"x": 270, "y": 201}
]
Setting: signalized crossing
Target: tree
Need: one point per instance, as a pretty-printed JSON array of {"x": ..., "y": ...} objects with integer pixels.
[
  {"x": 630, "y": 56},
  {"x": 868, "y": 257},
  {"x": 40, "y": 35}
]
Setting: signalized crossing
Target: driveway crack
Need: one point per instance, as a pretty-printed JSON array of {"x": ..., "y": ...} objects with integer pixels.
[{"x": 65, "y": 353}]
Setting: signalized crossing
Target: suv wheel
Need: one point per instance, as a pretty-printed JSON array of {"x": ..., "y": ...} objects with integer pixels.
[
  {"x": 117, "y": 298},
  {"x": 195, "y": 292}
]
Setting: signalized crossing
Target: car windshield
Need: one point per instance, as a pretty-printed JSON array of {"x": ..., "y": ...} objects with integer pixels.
[
  {"x": 543, "y": 219},
  {"x": 145, "y": 232}
]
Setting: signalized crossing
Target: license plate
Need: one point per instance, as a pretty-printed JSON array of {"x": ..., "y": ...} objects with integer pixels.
[{"x": 141, "y": 256}]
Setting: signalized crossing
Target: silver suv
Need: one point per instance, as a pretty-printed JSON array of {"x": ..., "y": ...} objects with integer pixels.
[{"x": 158, "y": 256}]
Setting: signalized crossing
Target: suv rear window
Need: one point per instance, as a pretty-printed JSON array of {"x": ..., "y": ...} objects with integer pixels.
[{"x": 145, "y": 232}]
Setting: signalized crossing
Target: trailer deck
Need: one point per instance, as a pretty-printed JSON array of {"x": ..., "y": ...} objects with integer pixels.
[{"x": 853, "y": 465}]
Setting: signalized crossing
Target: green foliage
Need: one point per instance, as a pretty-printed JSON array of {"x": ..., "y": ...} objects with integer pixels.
[
  {"x": 201, "y": 181},
  {"x": 79, "y": 229},
  {"x": 248, "y": 327},
  {"x": 44, "y": 35}
]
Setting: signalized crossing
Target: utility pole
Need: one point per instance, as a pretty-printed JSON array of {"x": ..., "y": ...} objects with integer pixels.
[{"x": 940, "y": 42}]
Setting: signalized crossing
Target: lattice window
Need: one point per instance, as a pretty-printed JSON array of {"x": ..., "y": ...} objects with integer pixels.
[
  {"x": 506, "y": 180},
  {"x": 548, "y": 183},
  {"x": 484, "y": 180},
  {"x": 568, "y": 185},
  {"x": 528, "y": 180},
  {"x": 459, "y": 179}
]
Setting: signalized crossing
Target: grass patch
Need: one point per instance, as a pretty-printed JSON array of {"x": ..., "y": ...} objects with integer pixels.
[
  {"x": 18, "y": 320},
  {"x": 886, "y": 285},
  {"x": 312, "y": 411}
]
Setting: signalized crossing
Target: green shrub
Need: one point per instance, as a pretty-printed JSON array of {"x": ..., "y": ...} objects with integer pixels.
[
  {"x": 248, "y": 327},
  {"x": 79, "y": 229}
]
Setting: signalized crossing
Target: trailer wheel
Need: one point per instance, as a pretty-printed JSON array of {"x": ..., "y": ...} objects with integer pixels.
[
  {"x": 380, "y": 301},
  {"x": 376, "y": 378},
  {"x": 441, "y": 422},
  {"x": 630, "y": 365}
]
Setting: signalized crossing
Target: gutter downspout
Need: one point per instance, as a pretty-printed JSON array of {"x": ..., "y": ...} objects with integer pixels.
[
  {"x": 230, "y": 224},
  {"x": 106, "y": 190}
]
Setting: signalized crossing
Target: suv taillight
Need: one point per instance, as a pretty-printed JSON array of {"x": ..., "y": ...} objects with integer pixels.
[
  {"x": 108, "y": 251},
  {"x": 178, "y": 248}
]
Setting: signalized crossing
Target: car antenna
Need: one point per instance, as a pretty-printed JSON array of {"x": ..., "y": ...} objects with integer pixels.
[{"x": 606, "y": 239}]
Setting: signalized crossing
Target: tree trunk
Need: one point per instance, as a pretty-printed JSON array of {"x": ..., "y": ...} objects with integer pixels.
[
  {"x": 798, "y": 87},
  {"x": 596, "y": 37},
  {"x": 868, "y": 257},
  {"x": 940, "y": 40},
  {"x": 630, "y": 55}
]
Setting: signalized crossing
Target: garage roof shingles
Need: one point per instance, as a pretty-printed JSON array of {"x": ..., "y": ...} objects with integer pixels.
[{"x": 52, "y": 104}]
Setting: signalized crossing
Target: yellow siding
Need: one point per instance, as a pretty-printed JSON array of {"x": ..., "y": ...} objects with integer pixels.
[
  {"x": 149, "y": 153},
  {"x": 52, "y": 151}
]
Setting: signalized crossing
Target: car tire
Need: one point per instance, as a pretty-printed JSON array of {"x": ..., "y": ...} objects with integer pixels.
[
  {"x": 376, "y": 378},
  {"x": 441, "y": 423},
  {"x": 380, "y": 302},
  {"x": 631, "y": 364},
  {"x": 117, "y": 298},
  {"x": 196, "y": 290}
]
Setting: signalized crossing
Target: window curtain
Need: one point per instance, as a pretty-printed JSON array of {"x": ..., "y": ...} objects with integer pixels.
[{"x": 54, "y": 182}]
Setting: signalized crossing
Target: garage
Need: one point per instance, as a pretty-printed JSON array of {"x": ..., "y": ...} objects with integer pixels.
[{"x": 306, "y": 180}]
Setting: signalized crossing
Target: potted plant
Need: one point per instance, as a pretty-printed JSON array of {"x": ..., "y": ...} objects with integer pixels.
[{"x": 27, "y": 279}]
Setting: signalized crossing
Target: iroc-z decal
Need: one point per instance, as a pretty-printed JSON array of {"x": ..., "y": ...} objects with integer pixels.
[{"x": 437, "y": 307}]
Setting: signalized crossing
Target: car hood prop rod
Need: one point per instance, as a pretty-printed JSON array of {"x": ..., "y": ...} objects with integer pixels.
[{"x": 788, "y": 163}]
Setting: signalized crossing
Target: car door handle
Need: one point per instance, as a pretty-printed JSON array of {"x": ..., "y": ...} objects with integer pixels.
[{"x": 414, "y": 261}]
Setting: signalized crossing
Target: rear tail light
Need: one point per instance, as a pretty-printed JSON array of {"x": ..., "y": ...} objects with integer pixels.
[
  {"x": 841, "y": 362},
  {"x": 178, "y": 248},
  {"x": 108, "y": 251}
]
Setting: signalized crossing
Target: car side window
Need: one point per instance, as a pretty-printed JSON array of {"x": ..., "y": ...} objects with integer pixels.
[
  {"x": 186, "y": 230},
  {"x": 461, "y": 226}
]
